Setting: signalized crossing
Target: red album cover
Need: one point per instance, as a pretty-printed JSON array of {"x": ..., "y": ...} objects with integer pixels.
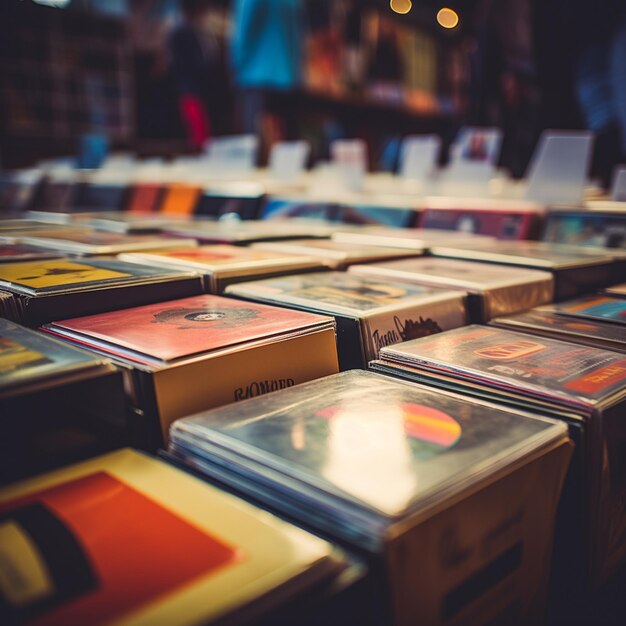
[
  {"x": 94, "y": 572},
  {"x": 181, "y": 328}
]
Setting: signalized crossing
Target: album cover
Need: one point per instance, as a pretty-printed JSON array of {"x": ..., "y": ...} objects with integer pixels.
[
  {"x": 370, "y": 313},
  {"x": 605, "y": 308},
  {"x": 582, "y": 227},
  {"x": 380, "y": 465},
  {"x": 492, "y": 290},
  {"x": 98, "y": 242},
  {"x": 335, "y": 254},
  {"x": 588, "y": 332},
  {"x": 17, "y": 252},
  {"x": 186, "y": 355},
  {"x": 224, "y": 264},
  {"x": 124, "y": 222},
  {"x": 248, "y": 231},
  {"x": 49, "y": 289},
  {"x": 167, "y": 331},
  {"x": 199, "y": 543},
  {"x": 582, "y": 385},
  {"x": 577, "y": 270},
  {"x": 59, "y": 404},
  {"x": 496, "y": 217},
  {"x": 412, "y": 238}
]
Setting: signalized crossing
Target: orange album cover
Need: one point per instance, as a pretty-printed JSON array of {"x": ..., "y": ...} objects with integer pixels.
[
  {"x": 181, "y": 328},
  {"x": 74, "y": 570}
]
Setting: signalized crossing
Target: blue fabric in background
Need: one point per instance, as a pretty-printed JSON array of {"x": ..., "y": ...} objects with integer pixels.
[{"x": 266, "y": 44}]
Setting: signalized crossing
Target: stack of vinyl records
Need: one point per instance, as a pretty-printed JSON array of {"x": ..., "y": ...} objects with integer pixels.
[
  {"x": 453, "y": 502},
  {"x": 15, "y": 252},
  {"x": 576, "y": 270},
  {"x": 222, "y": 265},
  {"x": 40, "y": 291},
  {"x": 127, "y": 539},
  {"x": 370, "y": 313},
  {"x": 412, "y": 238},
  {"x": 105, "y": 243},
  {"x": 58, "y": 404},
  {"x": 128, "y": 222},
  {"x": 337, "y": 254},
  {"x": 491, "y": 289},
  {"x": 183, "y": 356},
  {"x": 584, "y": 386},
  {"x": 248, "y": 231},
  {"x": 546, "y": 322},
  {"x": 605, "y": 308}
]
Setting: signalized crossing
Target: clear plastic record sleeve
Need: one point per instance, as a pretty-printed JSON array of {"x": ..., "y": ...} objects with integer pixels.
[
  {"x": 602, "y": 307},
  {"x": 492, "y": 290},
  {"x": 413, "y": 238},
  {"x": 29, "y": 358},
  {"x": 546, "y": 322},
  {"x": 576, "y": 376},
  {"x": 386, "y": 447},
  {"x": 221, "y": 264},
  {"x": 52, "y": 289},
  {"x": 336, "y": 254},
  {"x": 385, "y": 312}
]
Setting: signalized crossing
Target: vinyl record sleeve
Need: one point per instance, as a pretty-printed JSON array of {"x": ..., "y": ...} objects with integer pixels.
[
  {"x": 245, "y": 231},
  {"x": 333, "y": 292},
  {"x": 536, "y": 254},
  {"x": 125, "y": 221},
  {"x": 336, "y": 254},
  {"x": 370, "y": 312},
  {"x": 173, "y": 550},
  {"x": 546, "y": 322},
  {"x": 97, "y": 242},
  {"x": 385, "y": 446},
  {"x": 62, "y": 275},
  {"x": 604, "y": 308},
  {"x": 28, "y": 358},
  {"x": 181, "y": 328},
  {"x": 413, "y": 238},
  {"x": 223, "y": 261},
  {"x": 498, "y": 290},
  {"x": 18, "y": 252},
  {"x": 577, "y": 376}
]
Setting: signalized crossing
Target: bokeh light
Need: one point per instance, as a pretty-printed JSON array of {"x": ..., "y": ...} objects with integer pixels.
[
  {"x": 401, "y": 6},
  {"x": 447, "y": 18}
]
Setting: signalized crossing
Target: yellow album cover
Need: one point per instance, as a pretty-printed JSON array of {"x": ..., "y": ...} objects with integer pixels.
[
  {"x": 54, "y": 273},
  {"x": 15, "y": 356}
]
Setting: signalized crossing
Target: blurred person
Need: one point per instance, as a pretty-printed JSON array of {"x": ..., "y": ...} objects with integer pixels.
[
  {"x": 197, "y": 66},
  {"x": 503, "y": 77},
  {"x": 600, "y": 75},
  {"x": 266, "y": 51}
]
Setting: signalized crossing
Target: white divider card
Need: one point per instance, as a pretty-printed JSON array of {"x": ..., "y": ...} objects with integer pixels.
[
  {"x": 119, "y": 161},
  {"x": 475, "y": 145},
  {"x": 288, "y": 159},
  {"x": 618, "y": 186},
  {"x": 418, "y": 156},
  {"x": 558, "y": 170},
  {"x": 350, "y": 159},
  {"x": 473, "y": 157},
  {"x": 233, "y": 153}
]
